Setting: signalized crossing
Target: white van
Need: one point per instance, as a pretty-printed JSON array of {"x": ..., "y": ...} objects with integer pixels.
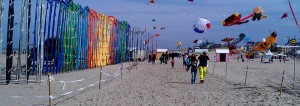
[{"x": 266, "y": 58}]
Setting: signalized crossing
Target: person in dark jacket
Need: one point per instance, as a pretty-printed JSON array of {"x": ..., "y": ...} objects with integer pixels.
[
  {"x": 153, "y": 58},
  {"x": 203, "y": 62}
]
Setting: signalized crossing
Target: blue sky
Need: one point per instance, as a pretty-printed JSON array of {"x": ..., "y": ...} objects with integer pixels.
[{"x": 179, "y": 16}]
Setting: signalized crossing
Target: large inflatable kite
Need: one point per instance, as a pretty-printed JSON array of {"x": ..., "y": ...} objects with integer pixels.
[
  {"x": 202, "y": 26},
  {"x": 262, "y": 46},
  {"x": 236, "y": 19}
]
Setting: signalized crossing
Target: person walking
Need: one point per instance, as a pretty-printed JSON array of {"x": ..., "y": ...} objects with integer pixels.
[
  {"x": 203, "y": 62},
  {"x": 188, "y": 62},
  {"x": 150, "y": 58},
  {"x": 161, "y": 59},
  {"x": 153, "y": 58},
  {"x": 194, "y": 68},
  {"x": 172, "y": 62}
]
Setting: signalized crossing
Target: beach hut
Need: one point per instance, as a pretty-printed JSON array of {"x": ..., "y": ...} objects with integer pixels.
[
  {"x": 159, "y": 52},
  {"x": 222, "y": 55}
]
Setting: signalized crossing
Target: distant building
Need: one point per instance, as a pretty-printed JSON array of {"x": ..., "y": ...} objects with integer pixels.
[
  {"x": 159, "y": 52},
  {"x": 282, "y": 49},
  {"x": 249, "y": 45}
]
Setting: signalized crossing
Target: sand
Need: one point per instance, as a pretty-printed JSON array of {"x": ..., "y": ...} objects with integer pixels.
[{"x": 161, "y": 85}]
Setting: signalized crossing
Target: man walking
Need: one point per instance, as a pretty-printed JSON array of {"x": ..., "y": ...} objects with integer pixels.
[{"x": 203, "y": 65}]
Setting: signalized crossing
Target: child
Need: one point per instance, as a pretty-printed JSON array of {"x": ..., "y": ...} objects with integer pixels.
[{"x": 172, "y": 62}]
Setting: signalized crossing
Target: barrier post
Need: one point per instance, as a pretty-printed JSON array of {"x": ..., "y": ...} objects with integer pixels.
[
  {"x": 246, "y": 76},
  {"x": 226, "y": 69},
  {"x": 100, "y": 77},
  {"x": 50, "y": 93},
  {"x": 281, "y": 83}
]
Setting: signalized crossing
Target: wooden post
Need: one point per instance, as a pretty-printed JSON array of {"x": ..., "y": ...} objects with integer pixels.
[
  {"x": 281, "y": 83},
  {"x": 122, "y": 72},
  {"x": 129, "y": 68},
  {"x": 246, "y": 76},
  {"x": 50, "y": 93},
  {"x": 214, "y": 67},
  {"x": 100, "y": 77},
  {"x": 226, "y": 69},
  {"x": 136, "y": 65}
]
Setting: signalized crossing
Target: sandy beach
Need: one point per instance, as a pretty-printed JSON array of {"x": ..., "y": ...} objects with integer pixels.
[{"x": 161, "y": 85}]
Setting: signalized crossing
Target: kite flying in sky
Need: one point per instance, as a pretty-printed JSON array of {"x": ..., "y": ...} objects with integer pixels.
[
  {"x": 151, "y": 1},
  {"x": 262, "y": 46},
  {"x": 202, "y": 26},
  {"x": 236, "y": 19},
  {"x": 284, "y": 15}
]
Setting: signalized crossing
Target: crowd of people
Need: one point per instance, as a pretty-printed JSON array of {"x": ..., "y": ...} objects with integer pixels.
[{"x": 190, "y": 62}]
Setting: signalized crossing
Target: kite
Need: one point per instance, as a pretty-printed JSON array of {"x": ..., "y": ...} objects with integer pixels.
[
  {"x": 151, "y": 1},
  {"x": 197, "y": 41},
  {"x": 191, "y": 0},
  {"x": 262, "y": 46},
  {"x": 153, "y": 20},
  {"x": 258, "y": 13},
  {"x": 227, "y": 39},
  {"x": 236, "y": 19},
  {"x": 293, "y": 42},
  {"x": 162, "y": 28},
  {"x": 284, "y": 15},
  {"x": 179, "y": 44},
  {"x": 202, "y": 26},
  {"x": 154, "y": 27},
  {"x": 238, "y": 40}
]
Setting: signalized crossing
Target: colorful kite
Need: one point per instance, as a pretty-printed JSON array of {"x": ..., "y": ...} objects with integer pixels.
[
  {"x": 179, "y": 44},
  {"x": 262, "y": 46},
  {"x": 235, "y": 19},
  {"x": 257, "y": 13},
  {"x": 202, "y": 26}
]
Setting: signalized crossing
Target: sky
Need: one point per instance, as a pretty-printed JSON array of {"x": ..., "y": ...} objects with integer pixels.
[{"x": 179, "y": 16}]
